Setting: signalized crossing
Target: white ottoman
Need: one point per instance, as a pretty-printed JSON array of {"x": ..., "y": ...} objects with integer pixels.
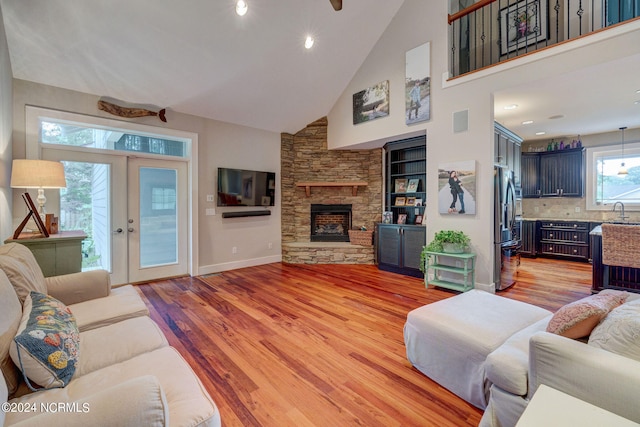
[{"x": 449, "y": 340}]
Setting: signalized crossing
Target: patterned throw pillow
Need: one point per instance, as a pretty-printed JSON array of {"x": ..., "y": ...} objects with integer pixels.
[
  {"x": 47, "y": 344},
  {"x": 577, "y": 319},
  {"x": 619, "y": 332}
]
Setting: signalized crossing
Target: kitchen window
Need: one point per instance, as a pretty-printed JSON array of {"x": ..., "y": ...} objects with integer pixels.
[{"x": 605, "y": 184}]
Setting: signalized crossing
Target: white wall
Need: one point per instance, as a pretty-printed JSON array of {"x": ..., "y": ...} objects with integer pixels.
[
  {"x": 6, "y": 95},
  {"x": 418, "y": 22},
  {"x": 219, "y": 145}
]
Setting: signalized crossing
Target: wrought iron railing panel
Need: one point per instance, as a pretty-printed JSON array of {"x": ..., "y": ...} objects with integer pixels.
[{"x": 489, "y": 32}]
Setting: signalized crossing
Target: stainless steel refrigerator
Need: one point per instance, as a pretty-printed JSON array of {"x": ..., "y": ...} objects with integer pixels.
[{"x": 506, "y": 240}]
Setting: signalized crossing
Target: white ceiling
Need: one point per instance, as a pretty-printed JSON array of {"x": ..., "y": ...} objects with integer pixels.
[
  {"x": 596, "y": 99},
  {"x": 199, "y": 57}
]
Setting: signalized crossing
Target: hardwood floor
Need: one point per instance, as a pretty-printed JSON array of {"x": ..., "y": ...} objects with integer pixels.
[{"x": 322, "y": 345}]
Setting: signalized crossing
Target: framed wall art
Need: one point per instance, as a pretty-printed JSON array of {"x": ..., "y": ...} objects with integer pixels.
[
  {"x": 417, "y": 84},
  {"x": 371, "y": 103},
  {"x": 523, "y": 23},
  {"x": 457, "y": 188}
]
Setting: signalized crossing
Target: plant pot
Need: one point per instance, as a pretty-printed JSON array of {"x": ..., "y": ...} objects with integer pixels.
[{"x": 453, "y": 248}]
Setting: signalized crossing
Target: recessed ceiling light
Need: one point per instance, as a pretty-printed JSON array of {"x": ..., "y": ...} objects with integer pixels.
[
  {"x": 638, "y": 91},
  {"x": 308, "y": 43},
  {"x": 241, "y": 7},
  {"x": 557, "y": 116},
  {"x": 637, "y": 102},
  {"x": 511, "y": 107},
  {"x": 527, "y": 122},
  {"x": 540, "y": 133}
]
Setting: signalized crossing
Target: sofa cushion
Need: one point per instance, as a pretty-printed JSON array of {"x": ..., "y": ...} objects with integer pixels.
[
  {"x": 508, "y": 366},
  {"x": 137, "y": 402},
  {"x": 619, "y": 332},
  {"x": 122, "y": 303},
  {"x": 188, "y": 402},
  {"x": 10, "y": 315},
  {"x": 22, "y": 269},
  {"x": 577, "y": 319},
  {"x": 118, "y": 342},
  {"x": 47, "y": 346}
]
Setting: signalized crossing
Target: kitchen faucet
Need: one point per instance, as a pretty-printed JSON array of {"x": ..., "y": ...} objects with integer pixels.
[{"x": 622, "y": 217}]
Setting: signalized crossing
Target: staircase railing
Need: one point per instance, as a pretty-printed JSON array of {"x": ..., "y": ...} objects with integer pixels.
[{"x": 489, "y": 32}]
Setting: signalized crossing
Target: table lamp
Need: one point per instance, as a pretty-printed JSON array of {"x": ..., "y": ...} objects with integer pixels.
[{"x": 40, "y": 174}]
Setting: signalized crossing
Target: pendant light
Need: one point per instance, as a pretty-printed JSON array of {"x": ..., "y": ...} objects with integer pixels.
[{"x": 623, "y": 169}]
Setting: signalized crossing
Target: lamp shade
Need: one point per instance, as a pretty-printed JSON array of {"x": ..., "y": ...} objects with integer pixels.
[{"x": 26, "y": 173}]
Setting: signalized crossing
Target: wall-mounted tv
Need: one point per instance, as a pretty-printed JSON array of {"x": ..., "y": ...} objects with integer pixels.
[{"x": 239, "y": 187}]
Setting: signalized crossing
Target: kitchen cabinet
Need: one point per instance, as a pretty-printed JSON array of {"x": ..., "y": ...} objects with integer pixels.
[
  {"x": 553, "y": 173},
  {"x": 507, "y": 146},
  {"x": 529, "y": 238},
  {"x": 611, "y": 277},
  {"x": 398, "y": 248},
  {"x": 530, "y": 163},
  {"x": 564, "y": 239}
]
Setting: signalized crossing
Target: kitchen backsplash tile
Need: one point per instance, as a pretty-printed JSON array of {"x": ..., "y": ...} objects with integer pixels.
[{"x": 565, "y": 208}]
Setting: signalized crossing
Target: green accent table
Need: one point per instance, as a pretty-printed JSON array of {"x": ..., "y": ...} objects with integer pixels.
[
  {"x": 57, "y": 254},
  {"x": 466, "y": 270}
]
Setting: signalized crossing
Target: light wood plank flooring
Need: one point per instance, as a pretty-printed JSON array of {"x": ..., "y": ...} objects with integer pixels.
[{"x": 322, "y": 345}]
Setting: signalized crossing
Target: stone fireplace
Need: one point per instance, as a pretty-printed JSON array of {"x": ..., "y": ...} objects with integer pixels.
[
  {"x": 330, "y": 223},
  {"x": 306, "y": 159}
]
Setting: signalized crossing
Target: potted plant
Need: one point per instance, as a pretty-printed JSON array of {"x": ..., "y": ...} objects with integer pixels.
[{"x": 449, "y": 241}]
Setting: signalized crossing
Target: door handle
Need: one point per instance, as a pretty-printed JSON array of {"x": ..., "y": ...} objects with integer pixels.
[{"x": 117, "y": 231}]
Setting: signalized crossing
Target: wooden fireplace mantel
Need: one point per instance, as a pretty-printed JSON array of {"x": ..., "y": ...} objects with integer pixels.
[{"x": 354, "y": 185}]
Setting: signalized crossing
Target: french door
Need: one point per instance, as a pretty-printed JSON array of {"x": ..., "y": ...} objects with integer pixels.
[{"x": 134, "y": 211}]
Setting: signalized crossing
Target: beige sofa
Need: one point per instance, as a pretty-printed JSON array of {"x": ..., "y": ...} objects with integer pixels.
[{"x": 126, "y": 373}]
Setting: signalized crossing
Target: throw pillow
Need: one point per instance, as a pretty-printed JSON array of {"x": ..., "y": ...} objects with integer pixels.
[
  {"x": 577, "y": 319},
  {"x": 47, "y": 344},
  {"x": 619, "y": 332}
]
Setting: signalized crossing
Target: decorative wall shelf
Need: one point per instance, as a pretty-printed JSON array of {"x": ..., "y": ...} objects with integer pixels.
[{"x": 308, "y": 185}]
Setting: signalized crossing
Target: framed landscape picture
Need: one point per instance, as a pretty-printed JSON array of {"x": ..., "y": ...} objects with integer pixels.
[{"x": 371, "y": 103}]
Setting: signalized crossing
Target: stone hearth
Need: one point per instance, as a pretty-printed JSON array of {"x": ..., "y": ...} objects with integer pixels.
[{"x": 305, "y": 158}]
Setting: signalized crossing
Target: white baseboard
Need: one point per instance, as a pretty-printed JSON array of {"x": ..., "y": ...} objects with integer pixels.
[
  {"x": 217, "y": 268},
  {"x": 491, "y": 288}
]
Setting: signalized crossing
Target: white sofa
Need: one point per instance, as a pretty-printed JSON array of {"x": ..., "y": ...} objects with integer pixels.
[
  {"x": 126, "y": 373},
  {"x": 533, "y": 357},
  {"x": 499, "y": 365}
]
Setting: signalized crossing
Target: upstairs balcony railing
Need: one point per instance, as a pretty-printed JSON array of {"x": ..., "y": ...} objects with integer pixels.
[{"x": 488, "y": 32}]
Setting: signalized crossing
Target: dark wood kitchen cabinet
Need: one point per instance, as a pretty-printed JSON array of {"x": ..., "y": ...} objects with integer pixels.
[
  {"x": 529, "y": 238},
  {"x": 508, "y": 151},
  {"x": 399, "y": 247},
  {"x": 530, "y": 174},
  {"x": 553, "y": 173},
  {"x": 564, "y": 239}
]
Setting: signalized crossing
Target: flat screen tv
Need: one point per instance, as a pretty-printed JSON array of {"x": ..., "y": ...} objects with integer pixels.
[{"x": 240, "y": 187}]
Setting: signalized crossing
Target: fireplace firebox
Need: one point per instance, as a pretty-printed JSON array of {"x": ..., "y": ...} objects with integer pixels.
[{"x": 330, "y": 223}]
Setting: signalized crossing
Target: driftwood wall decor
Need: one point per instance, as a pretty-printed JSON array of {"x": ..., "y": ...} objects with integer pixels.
[{"x": 129, "y": 112}]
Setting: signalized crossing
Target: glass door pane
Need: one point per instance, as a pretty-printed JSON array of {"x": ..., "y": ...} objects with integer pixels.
[{"x": 158, "y": 217}]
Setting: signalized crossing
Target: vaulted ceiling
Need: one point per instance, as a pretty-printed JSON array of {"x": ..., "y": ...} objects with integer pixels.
[{"x": 199, "y": 57}]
